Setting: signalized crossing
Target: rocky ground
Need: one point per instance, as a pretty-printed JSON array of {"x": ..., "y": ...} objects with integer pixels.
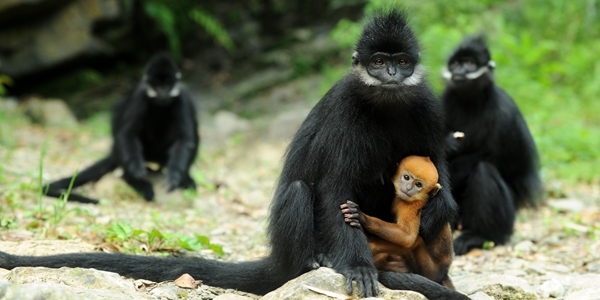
[{"x": 554, "y": 253}]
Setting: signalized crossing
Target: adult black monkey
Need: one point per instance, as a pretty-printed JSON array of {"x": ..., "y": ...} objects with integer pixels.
[
  {"x": 346, "y": 149},
  {"x": 494, "y": 168},
  {"x": 154, "y": 122}
]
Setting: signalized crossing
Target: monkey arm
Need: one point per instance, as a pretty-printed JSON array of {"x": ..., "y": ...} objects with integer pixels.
[
  {"x": 183, "y": 150},
  {"x": 127, "y": 143},
  {"x": 402, "y": 233}
]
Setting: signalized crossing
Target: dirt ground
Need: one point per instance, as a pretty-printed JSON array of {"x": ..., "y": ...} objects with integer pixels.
[{"x": 560, "y": 239}]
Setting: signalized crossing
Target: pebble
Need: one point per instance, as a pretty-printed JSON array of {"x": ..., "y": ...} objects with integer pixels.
[
  {"x": 535, "y": 268},
  {"x": 552, "y": 288}
]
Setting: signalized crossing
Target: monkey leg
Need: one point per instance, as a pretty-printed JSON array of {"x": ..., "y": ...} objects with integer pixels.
[
  {"x": 90, "y": 174},
  {"x": 142, "y": 186},
  {"x": 487, "y": 209},
  {"x": 291, "y": 229}
]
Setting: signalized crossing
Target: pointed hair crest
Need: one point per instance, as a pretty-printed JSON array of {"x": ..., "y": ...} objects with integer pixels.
[
  {"x": 474, "y": 46},
  {"x": 386, "y": 31},
  {"x": 161, "y": 63}
]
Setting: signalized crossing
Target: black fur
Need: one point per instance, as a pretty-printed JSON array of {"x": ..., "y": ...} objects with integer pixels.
[
  {"x": 161, "y": 129},
  {"x": 494, "y": 169},
  {"x": 348, "y": 148}
]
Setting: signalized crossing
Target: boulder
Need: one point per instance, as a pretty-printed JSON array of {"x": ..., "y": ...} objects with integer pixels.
[
  {"x": 326, "y": 279},
  {"x": 62, "y": 33},
  {"x": 496, "y": 286}
]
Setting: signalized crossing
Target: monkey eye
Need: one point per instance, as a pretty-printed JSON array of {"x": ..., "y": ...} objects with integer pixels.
[
  {"x": 469, "y": 63},
  {"x": 419, "y": 185},
  {"x": 378, "y": 61},
  {"x": 406, "y": 177},
  {"x": 402, "y": 62}
]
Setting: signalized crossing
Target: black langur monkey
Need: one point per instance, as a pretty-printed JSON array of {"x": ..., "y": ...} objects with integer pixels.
[
  {"x": 492, "y": 156},
  {"x": 347, "y": 148},
  {"x": 155, "y": 122}
]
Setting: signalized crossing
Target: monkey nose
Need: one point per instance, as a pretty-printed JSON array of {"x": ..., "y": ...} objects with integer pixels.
[{"x": 391, "y": 71}]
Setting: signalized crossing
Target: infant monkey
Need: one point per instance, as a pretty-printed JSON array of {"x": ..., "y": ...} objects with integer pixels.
[{"x": 397, "y": 247}]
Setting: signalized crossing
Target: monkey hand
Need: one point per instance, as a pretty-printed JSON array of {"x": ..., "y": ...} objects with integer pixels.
[
  {"x": 452, "y": 143},
  {"x": 173, "y": 180},
  {"x": 137, "y": 168},
  {"x": 352, "y": 214},
  {"x": 366, "y": 280}
]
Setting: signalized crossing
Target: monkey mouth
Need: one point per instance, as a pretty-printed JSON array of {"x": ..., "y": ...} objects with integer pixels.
[
  {"x": 457, "y": 77},
  {"x": 390, "y": 85}
]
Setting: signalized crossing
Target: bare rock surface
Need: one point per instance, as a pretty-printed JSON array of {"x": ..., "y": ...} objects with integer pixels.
[{"x": 326, "y": 279}]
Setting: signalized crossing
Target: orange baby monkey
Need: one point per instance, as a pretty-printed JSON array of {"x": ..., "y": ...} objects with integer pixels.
[{"x": 397, "y": 246}]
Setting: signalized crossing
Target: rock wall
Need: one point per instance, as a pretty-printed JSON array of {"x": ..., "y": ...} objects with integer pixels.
[{"x": 39, "y": 34}]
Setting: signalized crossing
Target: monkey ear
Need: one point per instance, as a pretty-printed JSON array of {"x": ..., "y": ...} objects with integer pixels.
[
  {"x": 354, "y": 58},
  {"x": 434, "y": 190}
]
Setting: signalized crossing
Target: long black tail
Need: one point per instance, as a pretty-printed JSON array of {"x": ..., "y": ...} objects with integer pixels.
[
  {"x": 258, "y": 277},
  {"x": 418, "y": 283},
  {"x": 92, "y": 173}
]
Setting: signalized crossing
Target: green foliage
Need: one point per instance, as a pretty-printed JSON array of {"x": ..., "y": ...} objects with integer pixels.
[
  {"x": 4, "y": 82},
  {"x": 75, "y": 81},
  {"x": 179, "y": 20},
  {"x": 213, "y": 27},
  {"x": 546, "y": 57},
  {"x": 166, "y": 21},
  {"x": 138, "y": 240}
]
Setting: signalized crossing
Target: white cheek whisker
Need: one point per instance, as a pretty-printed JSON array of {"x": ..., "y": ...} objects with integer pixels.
[
  {"x": 150, "y": 92},
  {"x": 478, "y": 73},
  {"x": 175, "y": 91},
  {"x": 416, "y": 77},
  {"x": 365, "y": 77},
  {"x": 446, "y": 74}
]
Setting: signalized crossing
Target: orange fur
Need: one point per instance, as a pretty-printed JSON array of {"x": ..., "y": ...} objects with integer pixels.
[{"x": 397, "y": 246}]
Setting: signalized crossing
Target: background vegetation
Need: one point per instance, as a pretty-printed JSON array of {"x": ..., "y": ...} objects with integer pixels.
[{"x": 546, "y": 54}]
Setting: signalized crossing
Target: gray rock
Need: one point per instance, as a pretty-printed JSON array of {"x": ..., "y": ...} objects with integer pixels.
[
  {"x": 63, "y": 33},
  {"x": 50, "y": 112},
  {"x": 228, "y": 123},
  {"x": 68, "y": 283},
  {"x": 166, "y": 291},
  {"x": 552, "y": 288},
  {"x": 231, "y": 297},
  {"x": 327, "y": 279},
  {"x": 45, "y": 247},
  {"x": 524, "y": 247},
  {"x": 518, "y": 273},
  {"x": 8, "y": 105},
  {"x": 584, "y": 281},
  {"x": 592, "y": 293},
  {"x": 481, "y": 296},
  {"x": 285, "y": 124},
  {"x": 558, "y": 268},
  {"x": 39, "y": 291},
  {"x": 497, "y": 286},
  {"x": 593, "y": 267},
  {"x": 567, "y": 205},
  {"x": 535, "y": 268}
]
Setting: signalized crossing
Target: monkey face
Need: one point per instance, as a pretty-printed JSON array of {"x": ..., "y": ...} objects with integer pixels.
[
  {"x": 390, "y": 69},
  {"x": 162, "y": 89},
  {"x": 468, "y": 63}
]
